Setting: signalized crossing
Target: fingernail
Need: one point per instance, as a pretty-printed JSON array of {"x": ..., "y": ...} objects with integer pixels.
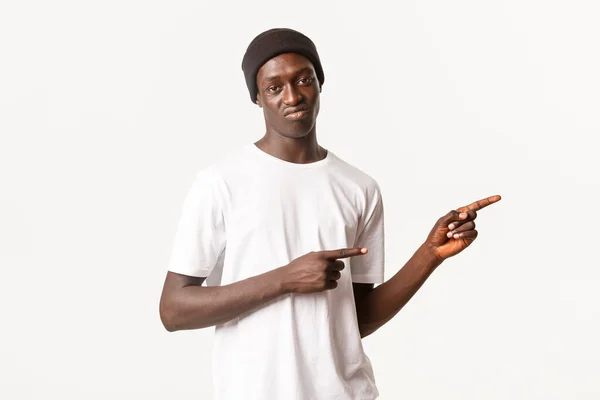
[
  {"x": 449, "y": 234},
  {"x": 363, "y": 250},
  {"x": 463, "y": 215},
  {"x": 451, "y": 226}
]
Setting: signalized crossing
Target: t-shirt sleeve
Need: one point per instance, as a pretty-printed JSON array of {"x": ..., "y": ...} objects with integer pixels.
[
  {"x": 200, "y": 236},
  {"x": 369, "y": 268}
]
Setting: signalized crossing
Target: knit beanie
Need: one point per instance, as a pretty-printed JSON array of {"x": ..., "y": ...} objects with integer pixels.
[{"x": 272, "y": 43}]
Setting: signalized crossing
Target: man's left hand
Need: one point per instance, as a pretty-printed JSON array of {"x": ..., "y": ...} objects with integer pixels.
[{"x": 455, "y": 231}]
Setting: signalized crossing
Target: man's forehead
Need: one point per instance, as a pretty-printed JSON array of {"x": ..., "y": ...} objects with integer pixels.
[{"x": 285, "y": 64}]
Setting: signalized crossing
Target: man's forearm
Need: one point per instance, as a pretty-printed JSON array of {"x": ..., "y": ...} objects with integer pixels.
[
  {"x": 195, "y": 307},
  {"x": 383, "y": 302}
]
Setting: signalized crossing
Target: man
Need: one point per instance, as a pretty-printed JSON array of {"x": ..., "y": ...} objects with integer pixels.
[{"x": 290, "y": 239}]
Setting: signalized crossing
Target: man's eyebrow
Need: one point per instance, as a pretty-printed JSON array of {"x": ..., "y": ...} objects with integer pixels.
[
  {"x": 303, "y": 70},
  {"x": 271, "y": 78}
]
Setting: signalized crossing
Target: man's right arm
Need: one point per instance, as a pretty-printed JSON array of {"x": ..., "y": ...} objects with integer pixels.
[{"x": 185, "y": 304}]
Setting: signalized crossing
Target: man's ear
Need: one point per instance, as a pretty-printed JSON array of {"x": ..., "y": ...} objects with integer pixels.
[{"x": 258, "y": 100}]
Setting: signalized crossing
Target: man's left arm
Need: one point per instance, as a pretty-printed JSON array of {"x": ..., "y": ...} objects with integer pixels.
[{"x": 451, "y": 234}]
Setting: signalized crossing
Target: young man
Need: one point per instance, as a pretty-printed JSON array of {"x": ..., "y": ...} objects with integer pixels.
[{"x": 290, "y": 239}]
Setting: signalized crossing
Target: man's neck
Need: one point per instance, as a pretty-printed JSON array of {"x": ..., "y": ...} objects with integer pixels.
[{"x": 299, "y": 151}]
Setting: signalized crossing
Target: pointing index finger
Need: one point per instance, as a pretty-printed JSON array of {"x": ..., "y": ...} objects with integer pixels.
[
  {"x": 479, "y": 204},
  {"x": 344, "y": 253}
]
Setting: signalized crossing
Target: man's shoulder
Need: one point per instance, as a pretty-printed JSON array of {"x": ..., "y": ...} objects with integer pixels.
[
  {"x": 228, "y": 162},
  {"x": 356, "y": 174}
]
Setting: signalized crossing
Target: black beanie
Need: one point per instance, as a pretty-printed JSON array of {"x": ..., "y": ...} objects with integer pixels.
[{"x": 272, "y": 43}]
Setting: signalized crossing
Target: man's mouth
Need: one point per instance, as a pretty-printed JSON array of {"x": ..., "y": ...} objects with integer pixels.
[{"x": 297, "y": 114}]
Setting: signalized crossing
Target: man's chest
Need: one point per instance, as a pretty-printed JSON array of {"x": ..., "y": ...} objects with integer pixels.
[{"x": 294, "y": 208}]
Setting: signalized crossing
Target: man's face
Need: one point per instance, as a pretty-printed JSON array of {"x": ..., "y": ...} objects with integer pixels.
[{"x": 288, "y": 93}]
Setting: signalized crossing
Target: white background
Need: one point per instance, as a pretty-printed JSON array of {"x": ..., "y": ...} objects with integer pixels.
[{"x": 108, "y": 109}]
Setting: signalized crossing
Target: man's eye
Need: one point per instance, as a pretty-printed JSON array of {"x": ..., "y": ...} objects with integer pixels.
[
  {"x": 305, "y": 80},
  {"x": 273, "y": 89}
]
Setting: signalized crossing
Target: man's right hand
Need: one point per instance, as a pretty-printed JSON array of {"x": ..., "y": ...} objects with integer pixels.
[{"x": 316, "y": 271}]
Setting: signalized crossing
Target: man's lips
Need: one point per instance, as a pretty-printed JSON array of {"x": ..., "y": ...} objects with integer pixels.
[{"x": 294, "y": 113}]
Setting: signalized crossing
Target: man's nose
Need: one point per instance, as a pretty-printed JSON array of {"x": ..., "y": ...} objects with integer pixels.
[{"x": 291, "y": 95}]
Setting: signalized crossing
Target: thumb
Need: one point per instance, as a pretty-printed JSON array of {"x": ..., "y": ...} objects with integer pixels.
[{"x": 452, "y": 216}]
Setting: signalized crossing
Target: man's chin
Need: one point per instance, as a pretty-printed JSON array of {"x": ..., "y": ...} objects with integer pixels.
[{"x": 297, "y": 130}]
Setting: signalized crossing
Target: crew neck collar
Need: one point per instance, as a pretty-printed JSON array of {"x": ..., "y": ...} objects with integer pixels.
[{"x": 275, "y": 160}]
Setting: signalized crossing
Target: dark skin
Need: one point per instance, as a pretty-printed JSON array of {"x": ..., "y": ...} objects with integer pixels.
[{"x": 288, "y": 94}]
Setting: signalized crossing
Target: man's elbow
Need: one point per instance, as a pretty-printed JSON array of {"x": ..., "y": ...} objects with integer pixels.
[
  {"x": 168, "y": 317},
  {"x": 366, "y": 330}
]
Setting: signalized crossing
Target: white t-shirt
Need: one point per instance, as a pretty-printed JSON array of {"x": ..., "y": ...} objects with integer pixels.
[{"x": 253, "y": 212}]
